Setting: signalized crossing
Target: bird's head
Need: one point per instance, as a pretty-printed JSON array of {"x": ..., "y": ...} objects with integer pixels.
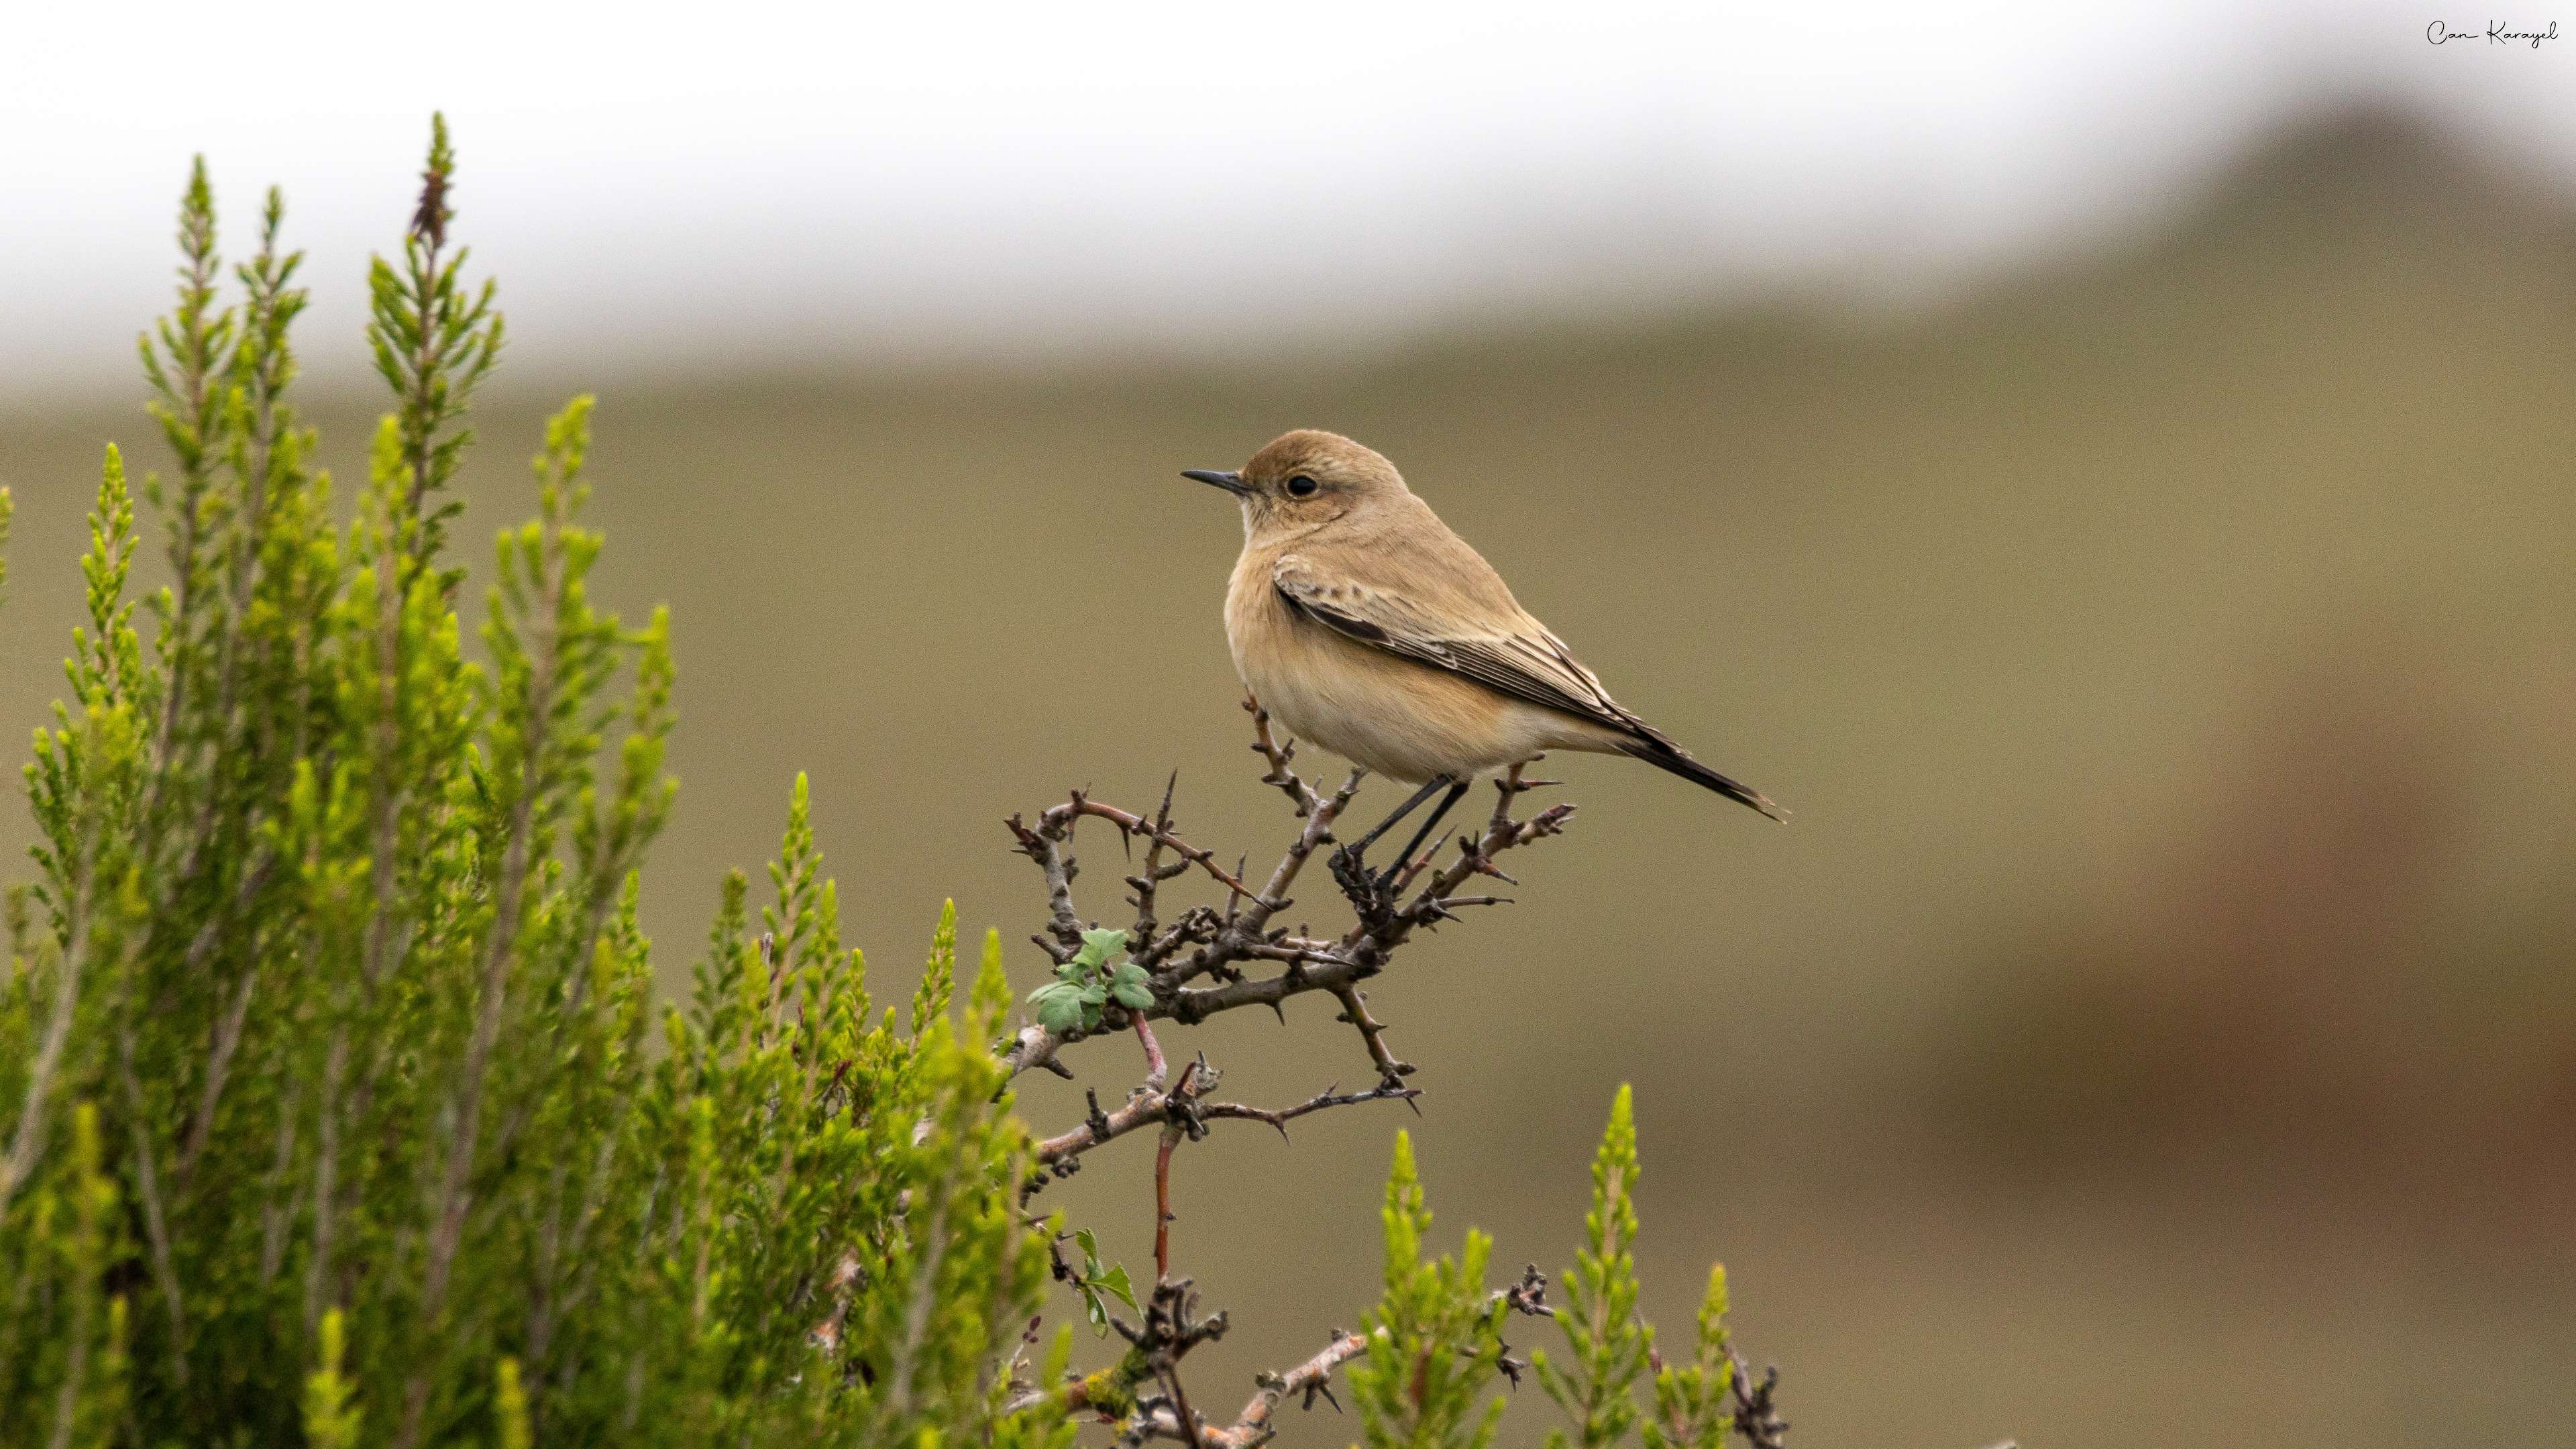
[{"x": 1306, "y": 479}]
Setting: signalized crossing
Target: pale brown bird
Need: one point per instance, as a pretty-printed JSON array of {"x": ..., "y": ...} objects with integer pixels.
[{"x": 1363, "y": 624}]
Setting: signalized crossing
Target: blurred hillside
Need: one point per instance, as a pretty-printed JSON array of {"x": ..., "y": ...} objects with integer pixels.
[{"x": 2160, "y": 1020}]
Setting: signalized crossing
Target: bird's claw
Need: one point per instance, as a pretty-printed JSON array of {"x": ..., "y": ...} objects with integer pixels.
[{"x": 1363, "y": 884}]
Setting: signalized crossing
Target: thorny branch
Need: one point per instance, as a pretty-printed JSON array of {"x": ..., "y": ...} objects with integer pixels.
[
  {"x": 1308, "y": 1381},
  {"x": 1184, "y": 1104},
  {"x": 1204, "y": 942},
  {"x": 1757, "y": 1416},
  {"x": 1168, "y": 1418},
  {"x": 1212, "y": 958}
]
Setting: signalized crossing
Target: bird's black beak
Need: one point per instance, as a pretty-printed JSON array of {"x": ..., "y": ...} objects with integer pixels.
[{"x": 1231, "y": 482}]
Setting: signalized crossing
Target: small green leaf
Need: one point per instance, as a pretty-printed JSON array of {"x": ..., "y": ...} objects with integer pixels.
[
  {"x": 1059, "y": 1007},
  {"x": 1092, "y": 995},
  {"x": 1099, "y": 946},
  {"x": 1129, "y": 984},
  {"x": 1115, "y": 1281},
  {"x": 1090, "y": 1251}
]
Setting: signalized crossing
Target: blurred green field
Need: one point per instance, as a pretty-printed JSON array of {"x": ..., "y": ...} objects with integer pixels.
[{"x": 2159, "y": 1022}]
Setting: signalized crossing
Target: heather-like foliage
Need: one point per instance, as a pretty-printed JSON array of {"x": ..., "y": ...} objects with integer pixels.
[
  {"x": 1435, "y": 1342},
  {"x": 336, "y": 1105},
  {"x": 334, "y": 1100},
  {"x": 1605, "y": 1341},
  {"x": 1609, "y": 1347}
]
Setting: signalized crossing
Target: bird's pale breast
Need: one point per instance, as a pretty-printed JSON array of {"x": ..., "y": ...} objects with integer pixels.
[{"x": 1403, "y": 720}]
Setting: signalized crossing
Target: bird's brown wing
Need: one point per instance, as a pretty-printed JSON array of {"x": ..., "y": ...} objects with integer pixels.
[{"x": 1519, "y": 658}]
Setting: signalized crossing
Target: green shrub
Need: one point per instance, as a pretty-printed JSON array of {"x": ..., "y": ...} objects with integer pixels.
[{"x": 335, "y": 1102}]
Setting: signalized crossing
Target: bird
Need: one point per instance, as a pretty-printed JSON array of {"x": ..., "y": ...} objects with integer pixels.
[{"x": 1362, "y": 623}]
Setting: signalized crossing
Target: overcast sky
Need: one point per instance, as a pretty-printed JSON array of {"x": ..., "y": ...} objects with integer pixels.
[{"x": 721, "y": 180}]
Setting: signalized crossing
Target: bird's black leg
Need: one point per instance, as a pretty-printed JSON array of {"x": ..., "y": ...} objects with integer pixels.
[
  {"x": 1457, "y": 791},
  {"x": 1346, "y": 861},
  {"x": 1433, "y": 786}
]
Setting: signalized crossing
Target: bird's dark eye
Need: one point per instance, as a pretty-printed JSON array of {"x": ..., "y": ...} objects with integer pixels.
[{"x": 1301, "y": 486}]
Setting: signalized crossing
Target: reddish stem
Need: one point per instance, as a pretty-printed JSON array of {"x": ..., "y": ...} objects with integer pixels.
[
  {"x": 1155, "y": 1071},
  {"x": 1163, "y": 1205}
]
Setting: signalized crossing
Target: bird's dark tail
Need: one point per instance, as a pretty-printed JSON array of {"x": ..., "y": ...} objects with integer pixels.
[{"x": 1668, "y": 757}]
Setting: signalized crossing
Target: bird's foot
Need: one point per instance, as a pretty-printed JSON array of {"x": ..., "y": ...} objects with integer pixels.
[{"x": 1371, "y": 888}]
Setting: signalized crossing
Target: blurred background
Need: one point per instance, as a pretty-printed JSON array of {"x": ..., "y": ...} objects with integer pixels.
[{"x": 2108, "y": 471}]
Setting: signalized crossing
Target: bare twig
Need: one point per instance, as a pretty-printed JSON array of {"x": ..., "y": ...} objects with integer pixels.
[
  {"x": 1059, "y": 820},
  {"x": 1373, "y": 1034},
  {"x": 1193, "y": 1433},
  {"x": 1156, "y": 1071},
  {"x": 1151, "y": 876},
  {"x": 1171, "y": 1329},
  {"x": 1173, "y": 1132},
  {"x": 1199, "y": 963},
  {"x": 1757, "y": 1414},
  {"x": 1145, "y": 1108},
  {"x": 1309, "y": 1381},
  {"x": 1281, "y": 1117},
  {"x": 1218, "y": 944},
  {"x": 1279, "y": 755},
  {"x": 1175, "y": 1126},
  {"x": 1061, "y": 921}
]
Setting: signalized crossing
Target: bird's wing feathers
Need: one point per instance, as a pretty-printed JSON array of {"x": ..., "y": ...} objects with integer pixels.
[{"x": 1520, "y": 658}]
